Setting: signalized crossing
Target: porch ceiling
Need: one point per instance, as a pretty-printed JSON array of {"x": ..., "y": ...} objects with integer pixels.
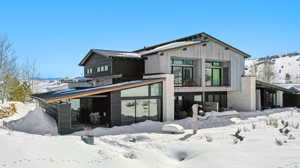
[{"x": 66, "y": 94}]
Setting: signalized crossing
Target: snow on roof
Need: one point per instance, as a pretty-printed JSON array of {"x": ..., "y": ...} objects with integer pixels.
[
  {"x": 289, "y": 85},
  {"x": 170, "y": 46},
  {"x": 76, "y": 79},
  {"x": 70, "y": 93},
  {"x": 110, "y": 53},
  {"x": 114, "y": 53}
]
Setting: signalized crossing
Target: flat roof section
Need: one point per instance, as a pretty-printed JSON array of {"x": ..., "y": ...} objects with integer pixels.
[
  {"x": 66, "y": 94},
  {"x": 261, "y": 84}
]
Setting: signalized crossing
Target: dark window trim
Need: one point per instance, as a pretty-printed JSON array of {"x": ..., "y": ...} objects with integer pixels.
[{"x": 182, "y": 72}]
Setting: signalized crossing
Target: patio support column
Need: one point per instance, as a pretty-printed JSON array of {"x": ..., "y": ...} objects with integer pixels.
[
  {"x": 64, "y": 118},
  {"x": 115, "y": 109}
]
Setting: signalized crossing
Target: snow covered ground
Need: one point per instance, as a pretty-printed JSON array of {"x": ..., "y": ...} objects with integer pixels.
[{"x": 144, "y": 145}]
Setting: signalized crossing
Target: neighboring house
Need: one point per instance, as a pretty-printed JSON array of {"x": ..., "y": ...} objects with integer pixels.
[{"x": 158, "y": 83}]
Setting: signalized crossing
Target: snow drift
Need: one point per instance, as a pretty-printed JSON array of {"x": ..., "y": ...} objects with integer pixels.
[{"x": 36, "y": 121}]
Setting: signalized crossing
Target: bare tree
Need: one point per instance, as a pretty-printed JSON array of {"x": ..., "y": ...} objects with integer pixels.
[
  {"x": 28, "y": 71},
  {"x": 268, "y": 70},
  {"x": 253, "y": 69},
  {"x": 287, "y": 78},
  {"x": 8, "y": 66}
]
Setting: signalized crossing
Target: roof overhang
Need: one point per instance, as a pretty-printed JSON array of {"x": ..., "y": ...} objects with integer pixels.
[
  {"x": 108, "y": 54},
  {"x": 67, "y": 94},
  {"x": 87, "y": 56},
  {"x": 261, "y": 84}
]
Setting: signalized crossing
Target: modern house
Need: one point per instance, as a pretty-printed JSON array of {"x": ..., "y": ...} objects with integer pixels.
[{"x": 159, "y": 82}]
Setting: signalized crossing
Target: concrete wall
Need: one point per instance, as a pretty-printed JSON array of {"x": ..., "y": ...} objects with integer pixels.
[
  {"x": 158, "y": 63},
  {"x": 258, "y": 99},
  {"x": 245, "y": 99},
  {"x": 168, "y": 95}
]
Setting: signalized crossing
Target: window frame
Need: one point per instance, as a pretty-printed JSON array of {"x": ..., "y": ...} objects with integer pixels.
[
  {"x": 182, "y": 67},
  {"x": 149, "y": 97}
]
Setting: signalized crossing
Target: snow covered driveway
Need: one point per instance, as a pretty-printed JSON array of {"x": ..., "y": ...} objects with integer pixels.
[{"x": 155, "y": 149}]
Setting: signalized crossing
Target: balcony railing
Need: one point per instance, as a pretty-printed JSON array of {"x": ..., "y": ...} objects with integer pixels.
[{"x": 186, "y": 83}]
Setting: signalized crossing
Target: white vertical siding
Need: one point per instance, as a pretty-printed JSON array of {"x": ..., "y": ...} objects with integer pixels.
[{"x": 212, "y": 51}]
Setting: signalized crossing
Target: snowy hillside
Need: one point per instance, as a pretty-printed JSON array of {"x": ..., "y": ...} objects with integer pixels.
[
  {"x": 285, "y": 68},
  {"x": 40, "y": 86},
  {"x": 143, "y": 145}
]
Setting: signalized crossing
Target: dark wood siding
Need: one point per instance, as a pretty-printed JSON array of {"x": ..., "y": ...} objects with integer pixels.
[
  {"x": 97, "y": 60},
  {"x": 64, "y": 118},
  {"x": 115, "y": 108},
  {"x": 291, "y": 100},
  {"x": 129, "y": 68}
]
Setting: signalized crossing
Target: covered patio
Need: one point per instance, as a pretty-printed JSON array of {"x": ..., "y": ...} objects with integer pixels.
[{"x": 106, "y": 106}]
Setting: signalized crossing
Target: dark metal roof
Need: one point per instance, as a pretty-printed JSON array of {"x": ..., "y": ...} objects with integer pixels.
[
  {"x": 262, "y": 84},
  {"x": 66, "y": 94},
  {"x": 191, "y": 38},
  {"x": 109, "y": 53}
]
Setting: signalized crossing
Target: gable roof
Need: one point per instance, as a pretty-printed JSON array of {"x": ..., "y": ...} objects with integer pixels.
[
  {"x": 109, "y": 53},
  {"x": 170, "y": 46},
  {"x": 200, "y": 37},
  {"x": 65, "y": 94}
]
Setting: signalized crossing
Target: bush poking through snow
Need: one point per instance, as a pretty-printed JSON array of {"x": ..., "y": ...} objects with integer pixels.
[
  {"x": 133, "y": 140},
  {"x": 268, "y": 122},
  {"x": 291, "y": 137},
  {"x": 253, "y": 126},
  {"x": 274, "y": 123},
  {"x": 237, "y": 136},
  {"x": 8, "y": 111},
  {"x": 245, "y": 129},
  {"x": 284, "y": 130},
  {"x": 278, "y": 142},
  {"x": 208, "y": 138},
  {"x": 130, "y": 155},
  {"x": 181, "y": 156}
]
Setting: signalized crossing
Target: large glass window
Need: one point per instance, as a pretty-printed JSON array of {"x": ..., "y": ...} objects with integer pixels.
[
  {"x": 177, "y": 71},
  {"x": 155, "y": 89},
  {"x": 128, "y": 111},
  {"x": 198, "y": 98},
  {"x": 141, "y": 103},
  {"x": 154, "y": 105},
  {"x": 142, "y": 109},
  {"x": 216, "y": 73},
  {"x": 220, "y": 97},
  {"x": 183, "y": 71},
  {"x": 135, "y": 92},
  {"x": 216, "y": 77},
  {"x": 75, "y": 110},
  {"x": 89, "y": 70}
]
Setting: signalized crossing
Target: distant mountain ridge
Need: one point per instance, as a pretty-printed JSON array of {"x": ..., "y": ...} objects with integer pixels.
[{"x": 39, "y": 78}]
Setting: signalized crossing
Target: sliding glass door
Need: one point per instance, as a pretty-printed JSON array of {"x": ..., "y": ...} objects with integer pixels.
[
  {"x": 141, "y": 103},
  {"x": 183, "y": 71},
  {"x": 216, "y": 77}
]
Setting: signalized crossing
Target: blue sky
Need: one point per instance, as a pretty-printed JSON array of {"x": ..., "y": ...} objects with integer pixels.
[{"x": 58, "y": 34}]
